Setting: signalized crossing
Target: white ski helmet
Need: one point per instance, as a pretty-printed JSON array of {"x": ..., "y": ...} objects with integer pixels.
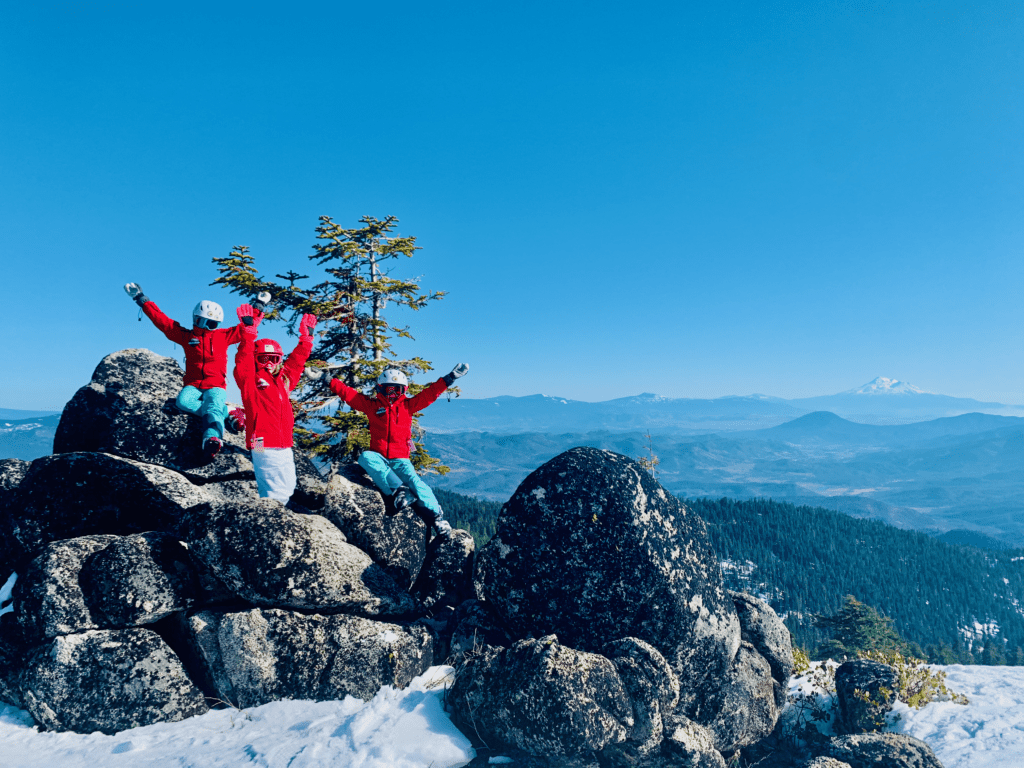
[
  {"x": 392, "y": 376},
  {"x": 207, "y": 314}
]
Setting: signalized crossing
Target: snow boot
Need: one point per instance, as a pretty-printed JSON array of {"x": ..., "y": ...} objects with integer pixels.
[
  {"x": 433, "y": 520},
  {"x": 400, "y": 501},
  {"x": 235, "y": 422},
  {"x": 211, "y": 447}
]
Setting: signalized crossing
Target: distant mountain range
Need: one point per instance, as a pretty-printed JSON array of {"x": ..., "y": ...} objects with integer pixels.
[
  {"x": 882, "y": 401},
  {"x": 963, "y": 473}
]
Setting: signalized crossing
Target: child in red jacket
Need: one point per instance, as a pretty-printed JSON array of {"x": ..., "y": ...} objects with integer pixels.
[
  {"x": 265, "y": 381},
  {"x": 204, "y": 393},
  {"x": 390, "y": 415}
]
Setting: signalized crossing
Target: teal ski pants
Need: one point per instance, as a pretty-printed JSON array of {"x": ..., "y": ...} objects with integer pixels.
[
  {"x": 390, "y": 474},
  {"x": 211, "y": 405}
]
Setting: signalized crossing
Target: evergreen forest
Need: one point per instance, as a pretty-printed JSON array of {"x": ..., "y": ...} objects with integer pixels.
[{"x": 951, "y": 604}]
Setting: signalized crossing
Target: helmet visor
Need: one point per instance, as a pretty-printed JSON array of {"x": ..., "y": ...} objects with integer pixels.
[
  {"x": 391, "y": 391},
  {"x": 207, "y": 323}
]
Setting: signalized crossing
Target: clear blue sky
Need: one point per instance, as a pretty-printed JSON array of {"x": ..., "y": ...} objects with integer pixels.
[{"x": 692, "y": 199}]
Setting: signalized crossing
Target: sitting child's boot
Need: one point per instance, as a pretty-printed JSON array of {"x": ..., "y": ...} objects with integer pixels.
[
  {"x": 399, "y": 501},
  {"x": 211, "y": 447},
  {"x": 235, "y": 422}
]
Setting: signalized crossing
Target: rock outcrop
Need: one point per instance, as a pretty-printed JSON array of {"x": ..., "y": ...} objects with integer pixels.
[
  {"x": 262, "y": 655},
  {"x": 107, "y": 680},
  {"x": 592, "y": 548},
  {"x": 271, "y": 557},
  {"x": 149, "y": 577}
]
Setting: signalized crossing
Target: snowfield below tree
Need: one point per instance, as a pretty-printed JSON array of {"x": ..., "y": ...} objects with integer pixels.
[{"x": 403, "y": 729}]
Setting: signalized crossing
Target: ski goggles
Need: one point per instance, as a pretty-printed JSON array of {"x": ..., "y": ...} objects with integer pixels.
[
  {"x": 268, "y": 358},
  {"x": 391, "y": 390},
  {"x": 207, "y": 323}
]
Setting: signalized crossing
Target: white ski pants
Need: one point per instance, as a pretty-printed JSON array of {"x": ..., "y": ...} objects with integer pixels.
[{"x": 275, "y": 473}]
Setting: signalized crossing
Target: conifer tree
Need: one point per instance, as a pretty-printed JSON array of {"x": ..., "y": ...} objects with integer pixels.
[
  {"x": 354, "y": 333},
  {"x": 857, "y": 627}
]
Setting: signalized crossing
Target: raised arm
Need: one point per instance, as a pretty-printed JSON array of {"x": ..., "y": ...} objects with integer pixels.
[
  {"x": 293, "y": 365},
  {"x": 245, "y": 355},
  {"x": 428, "y": 395}
]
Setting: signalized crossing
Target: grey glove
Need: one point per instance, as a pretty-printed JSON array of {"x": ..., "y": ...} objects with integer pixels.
[
  {"x": 134, "y": 291},
  {"x": 261, "y": 302},
  {"x": 458, "y": 372}
]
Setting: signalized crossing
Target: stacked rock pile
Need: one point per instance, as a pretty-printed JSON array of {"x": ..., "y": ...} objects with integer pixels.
[{"x": 151, "y": 584}]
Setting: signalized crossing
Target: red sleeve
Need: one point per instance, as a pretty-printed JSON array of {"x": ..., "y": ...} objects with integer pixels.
[
  {"x": 245, "y": 363},
  {"x": 235, "y": 334},
  {"x": 357, "y": 400},
  {"x": 426, "y": 396},
  {"x": 296, "y": 360},
  {"x": 170, "y": 328}
]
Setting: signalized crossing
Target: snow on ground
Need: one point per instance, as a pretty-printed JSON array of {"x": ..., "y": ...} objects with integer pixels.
[
  {"x": 403, "y": 729},
  {"x": 988, "y": 732},
  {"x": 396, "y": 729}
]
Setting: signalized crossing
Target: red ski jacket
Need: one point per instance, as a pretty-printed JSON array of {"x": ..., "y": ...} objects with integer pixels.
[
  {"x": 206, "y": 352},
  {"x": 390, "y": 425},
  {"x": 268, "y": 409}
]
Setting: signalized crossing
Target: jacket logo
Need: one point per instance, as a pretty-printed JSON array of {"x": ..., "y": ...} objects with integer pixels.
[
  {"x": 193, "y": 342},
  {"x": 262, "y": 383}
]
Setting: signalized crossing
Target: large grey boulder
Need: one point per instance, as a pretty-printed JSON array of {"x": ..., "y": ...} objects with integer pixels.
[
  {"x": 543, "y": 698},
  {"x": 397, "y": 543},
  {"x": 139, "y": 579},
  {"x": 653, "y": 692},
  {"x": 745, "y": 709},
  {"x": 689, "y": 745},
  {"x": 447, "y": 575},
  {"x": 273, "y": 557},
  {"x": 78, "y": 494},
  {"x": 592, "y": 548},
  {"x": 262, "y": 655},
  {"x": 761, "y": 626},
  {"x": 48, "y": 597},
  {"x": 892, "y": 750},
  {"x": 866, "y": 691},
  {"x": 109, "y": 681},
  {"x": 128, "y": 410}
]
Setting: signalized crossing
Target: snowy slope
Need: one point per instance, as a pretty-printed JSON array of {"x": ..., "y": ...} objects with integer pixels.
[{"x": 400, "y": 729}]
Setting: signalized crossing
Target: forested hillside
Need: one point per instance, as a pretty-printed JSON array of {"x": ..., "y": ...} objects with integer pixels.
[{"x": 958, "y": 603}]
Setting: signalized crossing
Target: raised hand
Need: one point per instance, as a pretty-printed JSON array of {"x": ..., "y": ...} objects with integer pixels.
[
  {"x": 134, "y": 291},
  {"x": 458, "y": 371},
  {"x": 306, "y": 325},
  {"x": 250, "y": 320}
]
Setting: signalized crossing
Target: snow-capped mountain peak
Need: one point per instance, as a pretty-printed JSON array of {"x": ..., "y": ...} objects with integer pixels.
[{"x": 883, "y": 386}]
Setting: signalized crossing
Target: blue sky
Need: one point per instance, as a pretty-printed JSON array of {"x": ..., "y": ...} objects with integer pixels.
[{"x": 692, "y": 199}]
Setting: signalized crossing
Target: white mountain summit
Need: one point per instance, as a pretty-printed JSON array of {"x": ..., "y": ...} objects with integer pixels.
[{"x": 884, "y": 386}]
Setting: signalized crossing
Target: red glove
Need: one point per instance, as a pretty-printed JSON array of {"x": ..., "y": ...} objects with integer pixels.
[
  {"x": 250, "y": 320},
  {"x": 306, "y": 325}
]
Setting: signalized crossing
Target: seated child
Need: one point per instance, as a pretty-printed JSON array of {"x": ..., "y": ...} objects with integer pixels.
[
  {"x": 206, "y": 362},
  {"x": 390, "y": 415},
  {"x": 265, "y": 380}
]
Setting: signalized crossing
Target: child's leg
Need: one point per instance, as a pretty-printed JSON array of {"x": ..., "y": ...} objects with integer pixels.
[
  {"x": 214, "y": 410},
  {"x": 404, "y": 469},
  {"x": 189, "y": 400},
  {"x": 275, "y": 473},
  {"x": 377, "y": 468}
]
